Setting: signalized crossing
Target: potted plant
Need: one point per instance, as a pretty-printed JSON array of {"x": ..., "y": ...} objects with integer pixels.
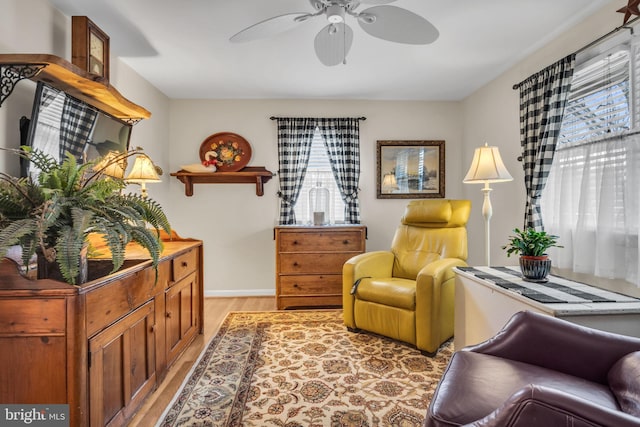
[
  {"x": 54, "y": 215},
  {"x": 532, "y": 246}
]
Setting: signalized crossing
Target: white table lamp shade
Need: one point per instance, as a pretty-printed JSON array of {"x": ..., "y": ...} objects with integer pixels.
[
  {"x": 487, "y": 167},
  {"x": 143, "y": 171}
]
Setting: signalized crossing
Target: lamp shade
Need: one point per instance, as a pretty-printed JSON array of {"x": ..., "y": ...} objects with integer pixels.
[
  {"x": 143, "y": 171},
  {"x": 112, "y": 164},
  {"x": 389, "y": 181},
  {"x": 487, "y": 167}
]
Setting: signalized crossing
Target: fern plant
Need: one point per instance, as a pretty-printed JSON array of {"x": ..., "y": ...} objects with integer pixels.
[{"x": 55, "y": 214}]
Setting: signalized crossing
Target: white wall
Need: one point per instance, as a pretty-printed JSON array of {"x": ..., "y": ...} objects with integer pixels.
[
  {"x": 491, "y": 114},
  {"x": 234, "y": 223},
  {"x": 237, "y": 226}
]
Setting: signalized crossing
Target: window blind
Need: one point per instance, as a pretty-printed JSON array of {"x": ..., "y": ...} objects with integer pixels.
[{"x": 598, "y": 105}]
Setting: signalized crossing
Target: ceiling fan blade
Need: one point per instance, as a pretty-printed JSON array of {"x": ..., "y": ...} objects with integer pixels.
[
  {"x": 397, "y": 25},
  {"x": 332, "y": 44},
  {"x": 376, "y": 1},
  {"x": 268, "y": 27},
  {"x": 317, "y": 4}
]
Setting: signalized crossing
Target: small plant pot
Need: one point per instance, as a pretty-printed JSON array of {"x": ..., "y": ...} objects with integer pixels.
[
  {"x": 535, "y": 268},
  {"x": 51, "y": 270}
]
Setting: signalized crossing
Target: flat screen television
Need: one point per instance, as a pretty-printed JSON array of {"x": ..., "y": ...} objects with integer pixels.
[{"x": 61, "y": 123}]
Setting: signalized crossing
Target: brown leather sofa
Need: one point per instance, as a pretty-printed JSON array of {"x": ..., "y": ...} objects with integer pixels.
[{"x": 541, "y": 371}]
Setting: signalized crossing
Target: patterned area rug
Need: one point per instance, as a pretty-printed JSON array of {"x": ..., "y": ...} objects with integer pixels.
[{"x": 303, "y": 368}]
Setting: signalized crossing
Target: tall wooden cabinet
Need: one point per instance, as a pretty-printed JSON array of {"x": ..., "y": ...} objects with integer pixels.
[
  {"x": 182, "y": 299},
  {"x": 309, "y": 263},
  {"x": 104, "y": 346}
]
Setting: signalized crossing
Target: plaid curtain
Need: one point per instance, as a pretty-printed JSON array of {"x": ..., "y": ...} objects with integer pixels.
[
  {"x": 76, "y": 124},
  {"x": 342, "y": 138},
  {"x": 294, "y": 146},
  {"x": 543, "y": 97},
  {"x": 48, "y": 94}
]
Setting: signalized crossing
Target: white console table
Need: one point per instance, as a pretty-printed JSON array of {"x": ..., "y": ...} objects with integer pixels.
[{"x": 482, "y": 306}]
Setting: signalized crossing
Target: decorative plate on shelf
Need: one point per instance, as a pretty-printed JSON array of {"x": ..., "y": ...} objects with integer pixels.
[{"x": 229, "y": 152}]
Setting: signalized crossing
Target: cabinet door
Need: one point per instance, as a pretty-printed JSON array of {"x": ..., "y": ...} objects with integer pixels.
[
  {"x": 182, "y": 315},
  {"x": 122, "y": 367},
  {"x": 33, "y": 356}
]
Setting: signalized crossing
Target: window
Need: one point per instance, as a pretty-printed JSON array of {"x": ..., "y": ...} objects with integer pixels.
[
  {"x": 319, "y": 171},
  {"x": 598, "y": 105},
  {"x": 591, "y": 196},
  {"x": 341, "y": 138}
]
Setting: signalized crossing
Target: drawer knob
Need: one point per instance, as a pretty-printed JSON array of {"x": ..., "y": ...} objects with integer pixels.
[
  {"x": 184, "y": 263},
  {"x": 295, "y": 263},
  {"x": 168, "y": 314},
  {"x": 295, "y": 285},
  {"x": 295, "y": 242},
  {"x": 345, "y": 242}
]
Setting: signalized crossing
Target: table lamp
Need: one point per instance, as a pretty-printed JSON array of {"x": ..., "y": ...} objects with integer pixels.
[
  {"x": 112, "y": 165},
  {"x": 389, "y": 182},
  {"x": 487, "y": 167},
  {"x": 143, "y": 172}
]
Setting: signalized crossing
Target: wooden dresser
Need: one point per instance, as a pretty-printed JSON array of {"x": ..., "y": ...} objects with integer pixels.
[
  {"x": 309, "y": 263},
  {"x": 104, "y": 346}
]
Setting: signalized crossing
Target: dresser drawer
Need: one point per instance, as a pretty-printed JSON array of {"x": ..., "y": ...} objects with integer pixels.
[
  {"x": 36, "y": 316},
  {"x": 321, "y": 284},
  {"x": 108, "y": 303},
  {"x": 330, "y": 241},
  {"x": 184, "y": 264},
  {"x": 328, "y": 263}
]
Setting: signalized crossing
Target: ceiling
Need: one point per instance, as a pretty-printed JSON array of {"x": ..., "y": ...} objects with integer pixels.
[{"x": 182, "y": 47}]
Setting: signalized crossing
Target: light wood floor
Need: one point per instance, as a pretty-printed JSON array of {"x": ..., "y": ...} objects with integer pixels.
[{"x": 215, "y": 310}]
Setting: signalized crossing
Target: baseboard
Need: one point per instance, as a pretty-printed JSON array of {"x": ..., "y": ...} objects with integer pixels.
[{"x": 241, "y": 293}]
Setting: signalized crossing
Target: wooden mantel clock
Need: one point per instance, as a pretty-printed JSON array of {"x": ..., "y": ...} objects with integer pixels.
[{"x": 90, "y": 48}]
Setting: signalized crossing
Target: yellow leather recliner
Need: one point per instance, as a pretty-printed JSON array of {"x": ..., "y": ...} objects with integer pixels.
[{"x": 407, "y": 293}]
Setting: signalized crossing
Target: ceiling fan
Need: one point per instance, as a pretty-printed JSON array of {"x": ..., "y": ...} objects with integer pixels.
[{"x": 333, "y": 42}]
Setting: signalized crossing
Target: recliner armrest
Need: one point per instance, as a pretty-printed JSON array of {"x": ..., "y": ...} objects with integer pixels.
[
  {"x": 370, "y": 264},
  {"x": 441, "y": 269},
  {"x": 539, "y": 406},
  {"x": 557, "y": 344}
]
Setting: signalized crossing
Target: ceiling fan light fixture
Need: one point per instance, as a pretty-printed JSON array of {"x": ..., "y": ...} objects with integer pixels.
[{"x": 335, "y": 14}]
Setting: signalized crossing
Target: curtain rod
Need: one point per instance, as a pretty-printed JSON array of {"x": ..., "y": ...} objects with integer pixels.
[
  {"x": 276, "y": 118},
  {"x": 626, "y": 26}
]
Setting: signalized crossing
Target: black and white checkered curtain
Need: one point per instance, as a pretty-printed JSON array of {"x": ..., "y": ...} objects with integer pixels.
[
  {"x": 76, "y": 123},
  {"x": 543, "y": 97},
  {"x": 47, "y": 96},
  {"x": 294, "y": 145},
  {"x": 342, "y": 139}
]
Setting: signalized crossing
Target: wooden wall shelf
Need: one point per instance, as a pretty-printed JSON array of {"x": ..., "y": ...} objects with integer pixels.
[
  {"x": 257, "y": 175},
  {"x": 69, "y": 78}
]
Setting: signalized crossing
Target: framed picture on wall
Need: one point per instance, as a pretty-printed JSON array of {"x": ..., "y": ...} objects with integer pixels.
[{"x": 410, "y": 169}]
